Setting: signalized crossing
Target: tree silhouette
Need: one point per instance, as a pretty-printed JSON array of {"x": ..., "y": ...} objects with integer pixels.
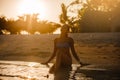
[
  {"x": 29, "y": 23},
  {"x": 80, "y": 15},
  {"x": 115, "y": 18},
  {"x": 2, "y": 24},
  {"x": 63, "y": 16},
  {"x": 98, "y": 16},
  {"x": 92, "y": 15}
]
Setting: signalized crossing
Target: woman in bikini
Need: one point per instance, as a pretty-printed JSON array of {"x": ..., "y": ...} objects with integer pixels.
[{"x": 62, "y": 47}]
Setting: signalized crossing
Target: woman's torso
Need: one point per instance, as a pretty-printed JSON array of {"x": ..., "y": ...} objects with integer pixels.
[{"x": 63, "y": 56}]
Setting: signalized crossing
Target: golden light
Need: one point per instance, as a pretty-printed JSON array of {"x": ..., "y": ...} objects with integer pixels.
[
  {"x": 37, "y": 33},
  {"x": 32, "y": 6},
  {"x": 31, "y": 64},
  {"x": 57, "y": 31},
  {"x": 5, "y": 32},
  {"x": 24, "y": 32}
]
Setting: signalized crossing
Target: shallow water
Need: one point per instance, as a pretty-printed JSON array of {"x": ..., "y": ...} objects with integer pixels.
[{"x": 20, "y": 70}]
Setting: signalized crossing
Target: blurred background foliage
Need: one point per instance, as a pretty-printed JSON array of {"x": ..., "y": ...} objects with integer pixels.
[{"x": 81, "y": 16}]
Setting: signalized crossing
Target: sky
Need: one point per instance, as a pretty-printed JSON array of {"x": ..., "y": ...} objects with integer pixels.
[{"x": 48, "y": 9}]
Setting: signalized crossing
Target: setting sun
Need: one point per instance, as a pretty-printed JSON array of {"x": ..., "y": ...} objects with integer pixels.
[{"x": 32, "y": 6}]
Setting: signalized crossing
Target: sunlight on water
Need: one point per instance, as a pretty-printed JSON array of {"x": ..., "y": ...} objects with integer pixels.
[
  {"x": 19, "y": 70},
  {"x": 31, "y": 71},
  {"x": 23, "y": 71},
  {"x": 31, "y": 64}
]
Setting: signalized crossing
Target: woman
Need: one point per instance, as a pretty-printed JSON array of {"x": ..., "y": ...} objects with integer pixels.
[{"x": 62, "y": 47}]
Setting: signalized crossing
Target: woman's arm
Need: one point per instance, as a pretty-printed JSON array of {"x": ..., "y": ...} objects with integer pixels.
[
  {"x": 53, "y": 54},
  {"x": 73, "y": 51}
]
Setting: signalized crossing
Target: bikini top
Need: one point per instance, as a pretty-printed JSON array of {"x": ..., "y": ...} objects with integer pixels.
[{"x": 62, "y": 45}]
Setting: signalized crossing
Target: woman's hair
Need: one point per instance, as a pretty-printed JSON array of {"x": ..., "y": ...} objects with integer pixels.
[{"x": 65, "y": 26}]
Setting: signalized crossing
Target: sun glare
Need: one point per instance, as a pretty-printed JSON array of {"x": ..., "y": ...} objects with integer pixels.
[
  {"x": 24, "y": 33},
  {"x": 32, "y": 6},
  {"x": 57, "y": 31}
]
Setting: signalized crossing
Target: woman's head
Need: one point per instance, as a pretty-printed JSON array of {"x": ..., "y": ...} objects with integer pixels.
[{"x": 65, "y": 29}]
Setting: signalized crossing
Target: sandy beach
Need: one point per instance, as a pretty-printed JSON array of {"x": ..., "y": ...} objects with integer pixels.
[{"x": 24, "y": 53}]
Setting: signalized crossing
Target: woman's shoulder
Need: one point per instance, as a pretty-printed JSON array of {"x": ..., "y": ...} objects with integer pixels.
[
  {"x": 70, "y": 38},
  {"x": 56, "y": 39}
]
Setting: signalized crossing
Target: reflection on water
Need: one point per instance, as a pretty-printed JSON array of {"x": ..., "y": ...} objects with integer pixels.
[
  {"x": 32, "y": 64},
  {"x": 23, "y": 71},
  {"x": 18, "y": 70}
]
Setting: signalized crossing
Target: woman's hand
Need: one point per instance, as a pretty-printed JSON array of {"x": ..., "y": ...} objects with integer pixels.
[
  {"x": 81, "y": 64},
  {"x": 44, "y": 63}
]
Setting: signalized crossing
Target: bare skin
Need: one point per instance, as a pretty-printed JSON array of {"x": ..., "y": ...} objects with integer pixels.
[{"x": 65, "y": 52}]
